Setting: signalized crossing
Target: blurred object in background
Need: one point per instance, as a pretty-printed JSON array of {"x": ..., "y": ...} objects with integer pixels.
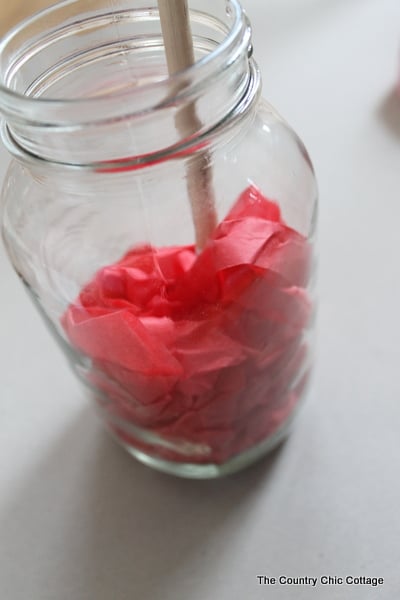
[
  {"x": 390, "y": 110},
  {"x": 12, "y": 13},
  {"x": 398, "y": 76}
]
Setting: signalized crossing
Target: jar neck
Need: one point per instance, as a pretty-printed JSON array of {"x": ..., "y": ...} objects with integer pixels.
[{"x": 85, "y": 91}]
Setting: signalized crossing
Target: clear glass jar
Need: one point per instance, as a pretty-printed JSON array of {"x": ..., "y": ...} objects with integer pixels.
[{"x": 197, "y": 357}]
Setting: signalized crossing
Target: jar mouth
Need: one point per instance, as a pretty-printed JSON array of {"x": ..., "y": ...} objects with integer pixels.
[
  {"x": 180, "y": 150},
  {"x": 23, "y": 47}
]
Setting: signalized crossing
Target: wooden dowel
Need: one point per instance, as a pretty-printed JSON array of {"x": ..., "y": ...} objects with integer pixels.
[{"x": 179, "y": 50}]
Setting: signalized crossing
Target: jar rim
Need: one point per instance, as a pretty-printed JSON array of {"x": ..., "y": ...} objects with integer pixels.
[
  {"x": 22, "y": 107},
  {"x": 126, "y": 165}
]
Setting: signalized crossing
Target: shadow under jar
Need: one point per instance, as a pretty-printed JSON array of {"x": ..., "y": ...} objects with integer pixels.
[{"x": 197, "y": 357}]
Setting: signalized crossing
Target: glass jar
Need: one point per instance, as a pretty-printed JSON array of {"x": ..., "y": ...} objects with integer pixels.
[{"x": 163, "y": 227}]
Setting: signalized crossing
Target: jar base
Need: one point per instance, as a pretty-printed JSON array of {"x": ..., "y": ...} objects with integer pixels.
[{"x": 211, "y": 470}]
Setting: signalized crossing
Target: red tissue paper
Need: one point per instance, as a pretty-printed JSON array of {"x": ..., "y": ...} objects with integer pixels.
[{"x": 201, "y": 356}]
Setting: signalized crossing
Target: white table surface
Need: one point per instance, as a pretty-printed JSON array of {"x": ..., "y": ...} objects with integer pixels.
[{"x": 81, "y": 520}]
